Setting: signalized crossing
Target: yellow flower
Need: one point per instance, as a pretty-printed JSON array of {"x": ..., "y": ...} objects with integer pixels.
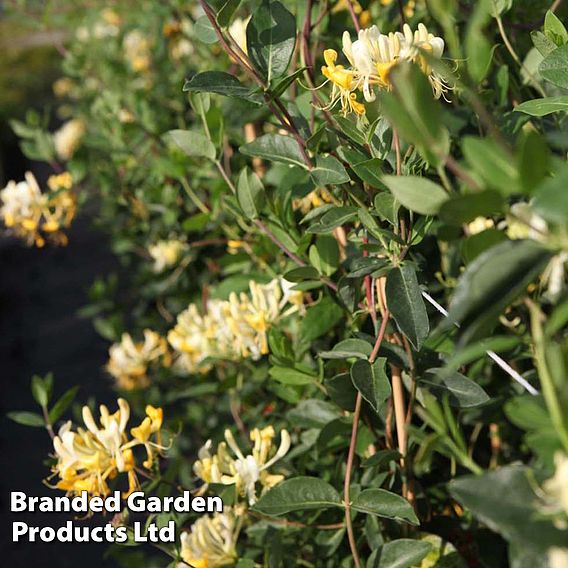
[
  {"x": 230, "y": 329},
  {"x": 68, "y": 138},
  {"x": 243, "y": 471},
  {"x": 137, "y": 51},
  {"x": 166, "y": 253},
  {"x": 556, "y": 488},
  {"x": 372, "y": 57},
  {"x": 88, "y": 458},
  {"x": 129, "y": 361},
  {"x": 212, "y": 540},
  {"x": 343, "y": 83},
  {"x": 35, "y": 216}
]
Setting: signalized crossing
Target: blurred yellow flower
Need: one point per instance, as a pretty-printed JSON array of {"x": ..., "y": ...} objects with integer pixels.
[
  {"x": 231, "y": 329},
  {"x": 166, "y": 253},
  {"x": 129, "y": 361},
  {"x": 35, "y": 216},
  {"x": 88, "y": 458},
  {"x": 243, "y": 471},
  {"x": 67, "y": 139},
  {"x": 212, "y": 540}
]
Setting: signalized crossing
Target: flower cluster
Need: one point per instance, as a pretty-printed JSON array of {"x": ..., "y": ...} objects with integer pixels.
[
  {"x": 35, "y": 216},
  {"x": 129, "y": 361},
  {"x": 67, "y": 139},
  {"x": 166, "y": 253},
  {"x": 231, "y": 329},
  {"x": 372, "y": 57},
  {"x": 137, "y": 51},
  {"x": 243, "y": 471},
  {"x": 88, "y": 458},
  {"x": 211, "y": 541}
]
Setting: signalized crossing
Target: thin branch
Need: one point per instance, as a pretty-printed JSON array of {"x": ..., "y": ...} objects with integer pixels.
[{"x": 351, "y": 454}]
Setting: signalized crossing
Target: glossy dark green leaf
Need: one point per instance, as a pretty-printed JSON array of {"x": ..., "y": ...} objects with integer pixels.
[
  {"x": 275, "y": 147},
  {"x": 298, "y": 494},
  {"x": 222, "y": 84},
  {"x": 271, "y": 37},
  {"x": 404, "y": 300},
  {"x": 462, "y": 209},
  {"x": 491, "y": 282},
  {"x": 401, "y": 553},
  {"x": 477, "y": 244},
  {"x": 341, "y": 390},
  {"x": 62, "y": 404},
  {"x": 302, "y": 273},
  {"x": 384, "y": 504},
  {"x": 226, "y": 12},
  {"x": 328, "y": 171},
  {"x": 333, "y": 218},
  {"x": 461, "y": 391},
  {"x": 382, "y": 458},
  {"x": 371, "y": 381},
  {"x": 348, "y": 348}
]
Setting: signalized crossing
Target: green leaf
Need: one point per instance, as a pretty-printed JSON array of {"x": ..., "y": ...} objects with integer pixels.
[
  {"x": 477, "y": 244},
  {"x": 319, "y": 320},
  {"x": 226, "y": 12},
  {"x": 472, "y": 352},
  {"x": 554, "y": 67},
  {"x": 491, "y": 282},
  {"x": 461, "y": 391},
  {"x": 371, "y": 381},
  {"x": 417, "y": 194},
  {"x": 400, "y": 553},
  {"x": 275, "y": 147},
  {"x": 554, "y": 29},
  {"x": 348, "y": 348},
  {"x": 250, "y": 193},
  {"x": 204, "y": 30},
  {"x": 271, "y": 37},
  {"x": 545, "y": 106},
  {"x": 335, "y": 217},
  {"x": 222, "y": 84},
  {"x": 26, "y": 418},
  {"x": 281, "y": 85},
  {"x": 40, "y": 391},
  {"x": 313, "y": 413},
  {"x": 341, "y": 390},
  {"x": 382, "y": 458},
  {"x": 302, "y": 273},
  {"x": 328, "y": 171},
  {"x": 384, "y": 504},
  {"x": 414, "y": 112},
  {"x": 368, "y": 265},
  {"x": 406, "y": 305},
  {"x": 492, "y": 164},
  {"x": 462, "y": 209},
  {"x": 478, "y": 49},
  {"x": 504, "y": 500},
  {"x": 324, "y": 255},
  {"x": 543, "y": 44},
  {"x": 298, "y": 494},
  {"x": 290, "y": 376},
  {"x": 551, "y": 198},
  {"x": 193, "y": 144}
]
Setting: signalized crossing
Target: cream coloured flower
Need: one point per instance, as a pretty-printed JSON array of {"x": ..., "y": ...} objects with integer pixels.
[
  {"x": 211, "y": 542},
  {"x": 556, "y": 488},
  {"x": 88, "y": 458},
  {"x": 67, "y": 139},
  {"x": 243, "y": 471},
  {"x": 372, "y": 56},
  {"x": 166, "y": 253},
  {"x": 137, "y": 51},
  {"x": 35, "y": 216},
  {"x": 238, "y": 31},
  {"x": 231, "y": 329},
  {"x": 129, "y": 361}
]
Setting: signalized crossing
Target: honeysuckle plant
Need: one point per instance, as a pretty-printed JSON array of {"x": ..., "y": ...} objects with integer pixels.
[{"x": 345, "y": 226}]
